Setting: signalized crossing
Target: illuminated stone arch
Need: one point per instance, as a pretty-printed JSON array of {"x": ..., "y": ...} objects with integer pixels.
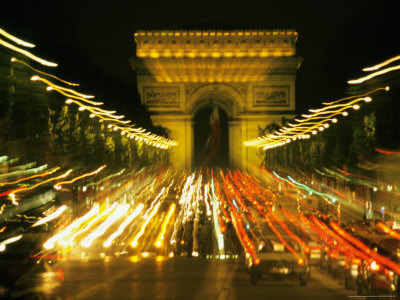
[
  {"x": 222, "y": 95},
  {"x": 250, "y": 74}
]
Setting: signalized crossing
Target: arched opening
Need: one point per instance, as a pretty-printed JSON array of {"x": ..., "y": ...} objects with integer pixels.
[{"x": 211, "y": 138}]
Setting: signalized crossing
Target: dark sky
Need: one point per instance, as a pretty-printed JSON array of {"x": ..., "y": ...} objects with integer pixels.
[{"x": 93, "y": 40}]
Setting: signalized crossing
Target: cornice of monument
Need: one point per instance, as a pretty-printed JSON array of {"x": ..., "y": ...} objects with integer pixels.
[
  {"x": 245, "y": 32},
  {"x": 215, "y": 43}
]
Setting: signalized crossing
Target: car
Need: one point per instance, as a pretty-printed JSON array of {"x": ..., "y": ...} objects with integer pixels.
[
  {"x": 277, "y": 261},
  {"x": 376, "y": 279},
  {"x": 352, "y": 265},
  {"x": 351, "y": 272},
  {"x": 315, "y": 251},
  {"x": 334, "y": 259},
  {"x": 336, "y": 262}
]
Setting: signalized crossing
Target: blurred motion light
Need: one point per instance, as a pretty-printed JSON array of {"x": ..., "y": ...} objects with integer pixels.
[
  {"x": 27, "y": 54},
  {"x": 15, "y": 39}
]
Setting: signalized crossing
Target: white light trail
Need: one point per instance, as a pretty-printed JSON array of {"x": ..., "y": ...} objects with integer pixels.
[
  {"x": 53, "y": 216},
  {"x": 120, "y": 210},
  {"x": 122, "y": 227}
]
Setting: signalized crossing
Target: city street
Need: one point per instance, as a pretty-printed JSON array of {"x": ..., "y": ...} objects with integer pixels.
[
  {"x": 276, "y": 242},
  {"x": 160, "y": 277}
]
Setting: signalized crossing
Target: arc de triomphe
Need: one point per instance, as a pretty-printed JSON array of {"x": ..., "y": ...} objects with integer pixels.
[{"x": 249, "y": 74}]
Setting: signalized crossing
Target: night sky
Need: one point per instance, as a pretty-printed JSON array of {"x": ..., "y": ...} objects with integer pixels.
[{"x": 93, "y": 40}]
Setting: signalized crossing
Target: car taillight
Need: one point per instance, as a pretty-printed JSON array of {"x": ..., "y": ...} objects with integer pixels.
[
  {"x": 374, "y": 266},
  {"x": 390, "y": 273},
  {"x": 356, "y": 261},
  {"x": 257, "y": 261},
  {"x": 300, "y": 261},
  {"x": 333, "y": 255}
]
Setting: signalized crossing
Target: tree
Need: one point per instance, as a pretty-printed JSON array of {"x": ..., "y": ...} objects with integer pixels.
[{"x": 363, "y": 143}]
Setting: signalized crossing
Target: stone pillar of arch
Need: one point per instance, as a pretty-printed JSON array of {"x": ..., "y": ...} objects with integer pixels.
[{"x": 248, "y": 74}]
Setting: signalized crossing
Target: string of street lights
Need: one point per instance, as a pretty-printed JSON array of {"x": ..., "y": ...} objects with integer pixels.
[
  {"x": 320, "y": 119},
  {"x": 82, "y": 100}
]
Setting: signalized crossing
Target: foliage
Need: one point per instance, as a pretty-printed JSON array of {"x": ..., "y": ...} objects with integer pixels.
[
  {"x": 348, "y": 142},
  {"x": 363, "y": 143},
  {"x": 35, "y": 125}
]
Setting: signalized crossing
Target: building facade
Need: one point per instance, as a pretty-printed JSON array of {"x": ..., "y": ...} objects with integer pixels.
[{"x": 250, "y": 75}]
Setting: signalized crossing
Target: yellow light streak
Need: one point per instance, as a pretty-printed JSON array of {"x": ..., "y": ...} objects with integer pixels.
[
  {"x": 120, "y": 210},
  {"x": 113, "y": 119},
  {"x": 106, "y": 178},
  {"x": 9, "y": 241},
  {"x": 13, "y": 59},
  {"x": 148, "y": 138},
  {"x": 385, "y": 63},
  {"x": 49, "y": 244},
  {"x": 12, "y": 195},
  {"x": 27, "y": 54},
  {"x": 122, "y": 227},
  {"x": 91, "y": 223},
  {"x": 311, "y": 123},
  {"x": 297, "y": 131},
  {"x": 362, "y": 96},
  {"x": 375, "y": 74},
  {"x": 57, "y": 87},
  {"x": 15, "y": 39},
  {"x": 58, "y": 185},
  {"x": 13, "y": 200},
  {"x": 25, "y": 216},
  {"x": 161, "y": 236},
  {"x": 186, "y": 197},
  {"x": 365, "y": 99},
  {"x": 98, "y": 112},
  {"x": 323, "y": 114},
  {"x": 52, "y": 216},
  {"x": 134, "y": 242},
  {"x": 33, "y": 78},
  {"x": 31, "y": 177},
  {"x": 95, "y": 110},
  {"x": 206, "y": 192}
]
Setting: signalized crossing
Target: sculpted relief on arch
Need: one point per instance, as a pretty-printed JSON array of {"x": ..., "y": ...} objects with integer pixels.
[
  {"x": 191, "y": 88},
  {"x": 232, "y": 98}
]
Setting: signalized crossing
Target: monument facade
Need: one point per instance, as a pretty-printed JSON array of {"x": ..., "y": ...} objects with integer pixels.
[{"x": 249, "y": 74}]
